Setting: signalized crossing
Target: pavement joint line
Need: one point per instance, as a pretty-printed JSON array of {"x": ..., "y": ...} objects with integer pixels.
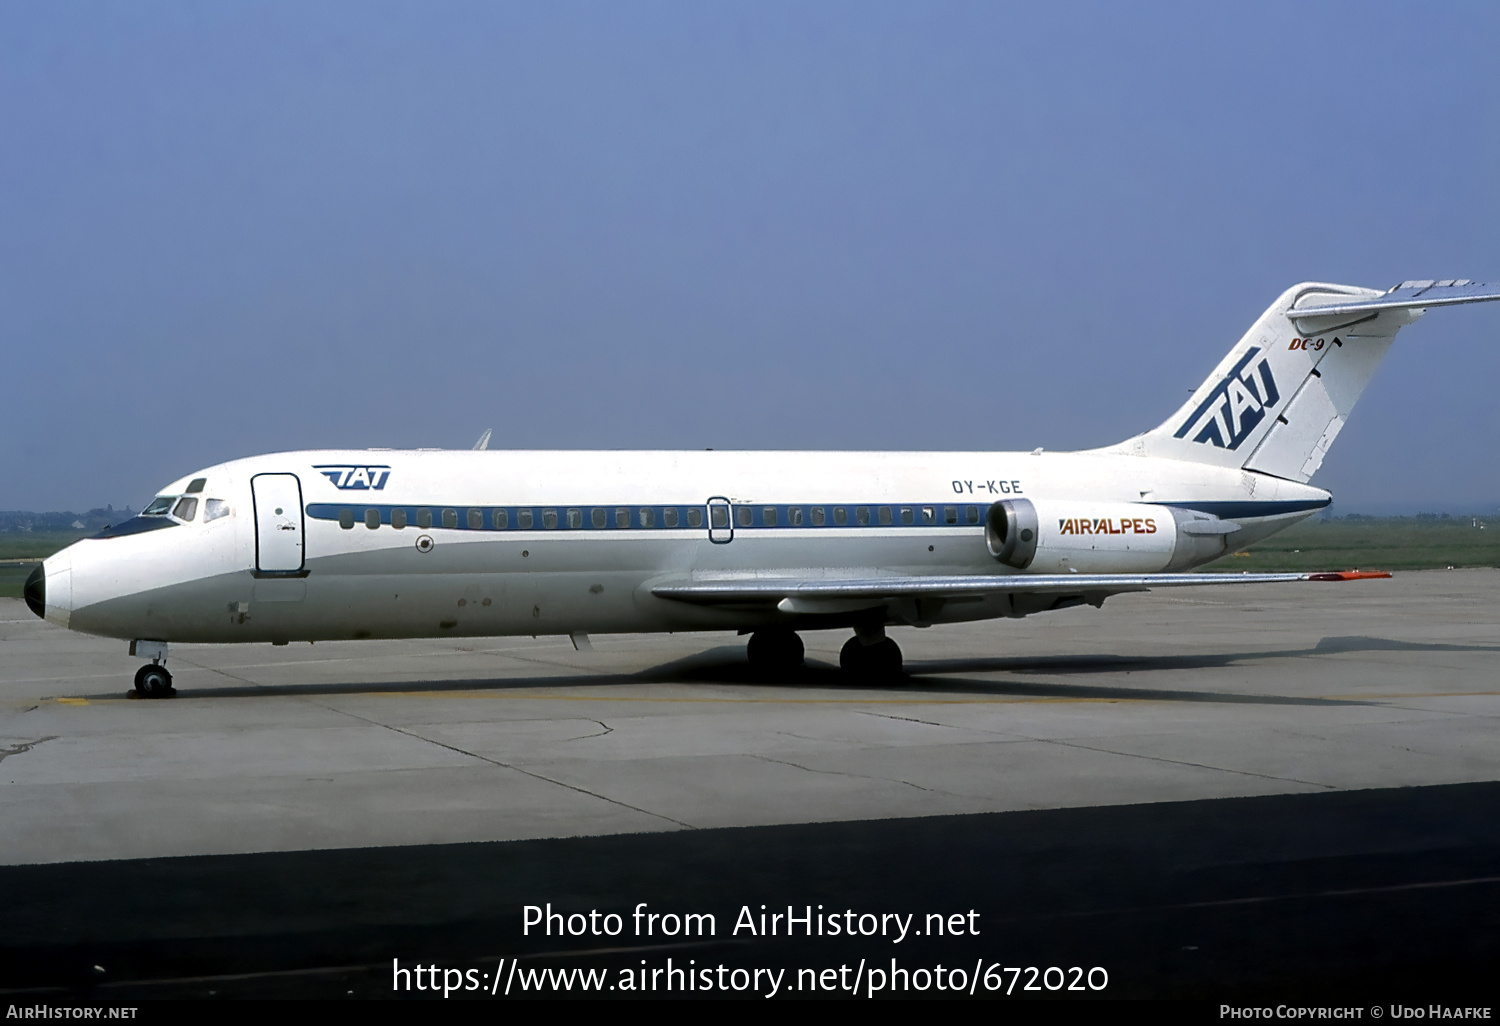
[
  {"x": 904, "y": 719},
  {"x": 595, "y": 670},
  {"x": 584, "y": 737},
  {"x": 994, "y": 732},
  {"x": 515, "y": 768},
  {"x": 865, "y": 776},
  {"x": 24, "y": 747},
  {"x": 1184, "y": 762}
]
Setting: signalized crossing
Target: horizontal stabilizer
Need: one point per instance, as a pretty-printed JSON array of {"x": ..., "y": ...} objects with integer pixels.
[
  {"x": 1407, "y": 295},
  {"x": 1276, "y": 403},
  {"x": 805, "y": 594}
]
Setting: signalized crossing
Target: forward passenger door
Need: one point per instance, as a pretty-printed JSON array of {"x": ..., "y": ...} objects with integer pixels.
[{"x": 278, "y": 524}]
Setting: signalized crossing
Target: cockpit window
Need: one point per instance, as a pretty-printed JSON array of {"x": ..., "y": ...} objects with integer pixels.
[
  {"x": 159, "y": 506},
  {"x": 213, "y": 509},
  {"x": 187, "y": 508},
  {"x": 196, "y": 485}
]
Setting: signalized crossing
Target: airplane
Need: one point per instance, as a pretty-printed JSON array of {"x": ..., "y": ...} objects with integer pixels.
[{"x": 352, "y": 544}]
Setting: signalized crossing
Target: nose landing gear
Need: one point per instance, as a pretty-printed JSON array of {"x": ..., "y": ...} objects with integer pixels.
[{"x": 152, "y": 680}]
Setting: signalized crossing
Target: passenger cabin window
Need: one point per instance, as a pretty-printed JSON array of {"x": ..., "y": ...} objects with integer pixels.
[
  {"x": 817, "y": 516},
  {"x": 186, "y": 509},
  {"x": 523, "y": 519},
  {"x": 718, "y": 516},
  {"x": 768, "y": 516},
  {"x": 622, "y": 517},
  {"x": 647, "y": 519},
  {"x": 213, "y": 509},
  {"x": 695, "y": 517},
  {"x": 669, "y": 517},
  {"x": 549, "y": 519},
  {"x": 950, "y": 514},
  {"x": 973, "y": 512},
  {"x": 575, "y": 518},
  {"x": 372, "y": 518},
  {"x": 424, "y": 518},
  {"x": 500, "y": 519},
  {"x": 906, "y": 516},
  {"x": 840, "y": 516},
  {"x": 794, "y": 515},
  {"x": 747, "y": 516},
  {"x": 599, "y": 517},
  {"x": 450, "y": 518},
  {"x": 862, "y": 516},
  {"x": 398, "y": 518},
  {"x": 159, "y": 506},
  {"x": 929, "y": 515},
  {"x": 885, "y": 514},
  {"x": 476, "y": 519},
  {"x": 346, "y": 519},
  {"x": 196, "y": 485}
]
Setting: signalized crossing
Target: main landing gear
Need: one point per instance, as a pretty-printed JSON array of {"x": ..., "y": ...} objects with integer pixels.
[
  {"x": 774, "y": 651},
  {"x": 152, "y": 680},
  {"x": 870, "y": 655}
]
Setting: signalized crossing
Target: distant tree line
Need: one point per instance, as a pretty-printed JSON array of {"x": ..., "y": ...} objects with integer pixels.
[{"x": 21, "y": 521}]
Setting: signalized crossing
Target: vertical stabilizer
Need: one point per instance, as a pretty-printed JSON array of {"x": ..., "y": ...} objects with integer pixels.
[{"x": 1278, "y": 400}]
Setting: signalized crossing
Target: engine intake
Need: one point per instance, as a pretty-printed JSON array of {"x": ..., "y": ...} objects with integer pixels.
[{"x": 1011, "y": 531}]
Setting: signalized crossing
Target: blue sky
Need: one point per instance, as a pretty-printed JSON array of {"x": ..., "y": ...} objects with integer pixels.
[{"x": 237, "y": 228}]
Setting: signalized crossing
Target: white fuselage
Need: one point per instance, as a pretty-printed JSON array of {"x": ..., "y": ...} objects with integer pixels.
[{"x": 344, "y": 544}]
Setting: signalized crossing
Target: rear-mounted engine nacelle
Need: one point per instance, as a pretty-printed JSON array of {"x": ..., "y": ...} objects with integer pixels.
[{"x": 1102, "y": 537}]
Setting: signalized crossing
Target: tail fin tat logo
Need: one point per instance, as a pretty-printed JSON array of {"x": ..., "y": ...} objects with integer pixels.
[{"x": 1235, "y": 406}]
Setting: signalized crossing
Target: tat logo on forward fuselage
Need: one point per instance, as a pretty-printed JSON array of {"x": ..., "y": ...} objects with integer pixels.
[
  {"x": 355, "y": 478},
  {"x": 1235, "y": 406}
]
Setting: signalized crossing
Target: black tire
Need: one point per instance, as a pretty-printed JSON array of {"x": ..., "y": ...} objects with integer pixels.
[
  {"x": 775, "y": 651},
  {"x": 887, "y": 660},
  {"x": 880, "y": 661},
  {"x": 852, "y": 658},
  {"x": 152, "y": 681}
]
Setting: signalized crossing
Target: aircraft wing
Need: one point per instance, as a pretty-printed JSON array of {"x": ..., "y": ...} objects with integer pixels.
[
  {"x": 1409, "y": 294},
  {"x": 826, "y": 595}
]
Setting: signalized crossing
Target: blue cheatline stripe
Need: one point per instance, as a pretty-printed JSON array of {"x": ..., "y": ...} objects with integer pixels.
[
  {"x": 760, "y": 516},
  {"x": 1245, "y": 509},
  {"x": 616, "y": 518}
]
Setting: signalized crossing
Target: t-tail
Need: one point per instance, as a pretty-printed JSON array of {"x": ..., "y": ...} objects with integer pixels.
[{"x": 1279, "y": 399}]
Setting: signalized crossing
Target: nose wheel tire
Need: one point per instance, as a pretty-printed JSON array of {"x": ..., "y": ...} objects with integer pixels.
[
  {"x": 774, "y": 651},
  {"x": 880, "y": 661},
  {"x": 153, "y": 681}
]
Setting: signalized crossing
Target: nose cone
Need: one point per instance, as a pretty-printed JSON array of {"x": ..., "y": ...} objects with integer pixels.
[{"x": 36, "y": 592}]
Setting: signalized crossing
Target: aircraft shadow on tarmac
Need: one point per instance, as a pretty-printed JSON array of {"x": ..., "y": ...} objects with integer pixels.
[{"x": 726, "y": 665}]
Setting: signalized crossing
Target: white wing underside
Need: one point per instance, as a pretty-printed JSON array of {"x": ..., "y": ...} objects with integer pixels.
[{"x": 804, "y": 595}]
